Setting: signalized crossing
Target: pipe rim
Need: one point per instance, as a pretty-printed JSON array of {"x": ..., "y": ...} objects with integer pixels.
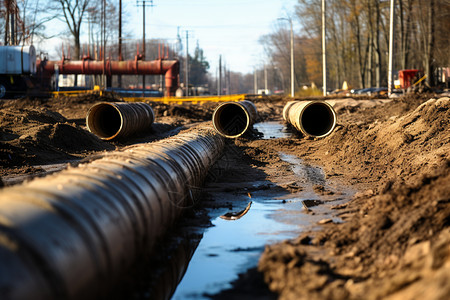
[
  {"x": 90, "y": 120},
  {"x": 331, "y": 112},
  {"x": 216, "y": 119}
]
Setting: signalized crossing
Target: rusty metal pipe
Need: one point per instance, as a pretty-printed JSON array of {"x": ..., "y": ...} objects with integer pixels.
[
  {"x": 233, "y": 119},
  {"x": 130, "y": 67},
  {"x": 118, "y": 119},
  {"x": 71, "y": 234},
  {"x": 311, "y": 118},
  {"x": 93, "y": 67}
]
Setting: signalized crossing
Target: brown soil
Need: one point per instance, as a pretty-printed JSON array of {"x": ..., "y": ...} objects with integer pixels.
[{"x": 394, "y": 239}]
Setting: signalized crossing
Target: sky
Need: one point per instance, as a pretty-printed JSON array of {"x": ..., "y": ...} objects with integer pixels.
[{"x": 231, "y": 28}]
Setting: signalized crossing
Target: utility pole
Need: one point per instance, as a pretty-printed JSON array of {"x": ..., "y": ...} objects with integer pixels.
[
  {"x": 292, "y": 60},
  {"x": 229, "y": 81},
  {"x": 391, "y": 46},
  {"x": 186, "y": 67},
  {"x": 103, "y": 43},
  {"x": 324, "y": 50},
  {"x": 119, "y": 78},
  {"x": 143, "y": 45},
  {"x": 292, "y": 56},
  {"x": 265, "y": 79},
  {"x": 219, "y": 89},
  {"x": 225, "y": 79},
  {"x": 255, "y": 82},
  {"x": 143, "y": 38}
]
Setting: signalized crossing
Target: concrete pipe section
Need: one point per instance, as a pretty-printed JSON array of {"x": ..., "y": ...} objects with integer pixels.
[
  {"x": 311, "y": 118},
  {"x": 71, "y": 234},
  {"x": 116, "y": 120},
  {"x": 233, "y": 119}
]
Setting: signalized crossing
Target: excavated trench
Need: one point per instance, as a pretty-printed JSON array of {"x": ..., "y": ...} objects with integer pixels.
[
  {"x": 247, "y": 215},
  {"x": 394, "y": 153},
  {"x": 261, "y": 212}
]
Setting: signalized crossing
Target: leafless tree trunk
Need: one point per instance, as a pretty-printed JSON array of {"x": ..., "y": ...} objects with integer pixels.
[
  {"x": 356, "y": 27},
  {"x": 377, "y": 45},
  {"x": 429, "y": 59},
  {"x": 73, "y": 13},
  {"x": 405, "y": 11}
]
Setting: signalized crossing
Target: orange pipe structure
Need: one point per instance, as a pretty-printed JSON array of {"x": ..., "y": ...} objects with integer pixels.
[{"x": 170, "y": 68}]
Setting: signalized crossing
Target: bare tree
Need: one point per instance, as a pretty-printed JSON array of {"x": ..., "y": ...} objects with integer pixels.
[{"x": 72, "y": 12}]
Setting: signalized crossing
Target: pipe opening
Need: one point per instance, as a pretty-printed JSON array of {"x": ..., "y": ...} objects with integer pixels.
[
  {"x": 104, "y": 120},
  {"x": 231, "y": 120},
  {"x": 318, "y": 119}
]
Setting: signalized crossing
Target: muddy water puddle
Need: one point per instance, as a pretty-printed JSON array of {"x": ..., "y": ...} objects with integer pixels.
[
  {"x": 273, "y": 130},
  {"x": 233, "y": 246}
]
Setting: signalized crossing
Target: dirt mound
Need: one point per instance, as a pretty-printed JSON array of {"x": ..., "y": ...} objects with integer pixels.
[
  {"x": 394, "y": 241},
  {"x": 40, "y": 136},
  {"x": 395, "y": 149}
]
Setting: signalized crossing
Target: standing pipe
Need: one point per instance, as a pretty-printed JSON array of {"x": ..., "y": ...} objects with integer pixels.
[
  {"x": 233, "y": 119},
  {"x": 115, "y": 120},
  {"x": 71, "y": 234},
  {"x": 311, "y": 118}
]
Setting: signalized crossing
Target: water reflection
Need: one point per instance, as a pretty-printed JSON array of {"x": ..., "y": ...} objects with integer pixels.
[
  {"x": 273, "y": 130},
  {"x": 230, "y": 248}
]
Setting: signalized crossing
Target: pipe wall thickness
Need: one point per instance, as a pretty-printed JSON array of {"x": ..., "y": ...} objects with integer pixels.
[
  {"x": 233, "y": 119},
  {"x": 118, "y": 119},
  {"x": 311, "y": 118},
  {"x": 70, "y": 235}
]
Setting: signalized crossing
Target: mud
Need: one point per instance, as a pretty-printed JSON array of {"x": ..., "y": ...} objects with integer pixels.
[{"x": 394, "y": 240}]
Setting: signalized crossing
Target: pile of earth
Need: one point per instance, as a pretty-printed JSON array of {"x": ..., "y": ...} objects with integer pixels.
[
  {"x": 393, "y": 241},
  {"x": 42, "y": 131},
  {"x": 34, "y": 136}
]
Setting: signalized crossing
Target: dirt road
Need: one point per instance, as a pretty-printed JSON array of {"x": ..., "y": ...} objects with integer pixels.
[{"x": 394, "y": 240}]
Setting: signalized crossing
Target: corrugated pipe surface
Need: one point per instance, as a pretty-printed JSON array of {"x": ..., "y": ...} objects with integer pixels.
[
  {"x": 118, "y": 119},
  {"x": 311, "y": 118},
  {"x": 71, "y": 234},
  {"x": 233, "y": 119}
]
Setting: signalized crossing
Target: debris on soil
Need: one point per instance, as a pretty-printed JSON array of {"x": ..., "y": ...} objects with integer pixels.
[
  {"x": 311, "y": 203},
  {"x": 236, "y": 215}
]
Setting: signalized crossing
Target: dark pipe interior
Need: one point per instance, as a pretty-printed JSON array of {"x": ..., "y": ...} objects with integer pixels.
[
  {"x": 104, "y": 121},
  {"x": 231, "y": 120},
  {"x": 317, "y": 119}
]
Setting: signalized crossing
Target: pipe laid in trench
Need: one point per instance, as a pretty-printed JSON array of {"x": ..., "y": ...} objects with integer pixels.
[
  {"x": 70, "y": 235},
  {"x": 311, "y": 118},
  {"x": 116, "y": 120},
  {"x": 233, "y": 119}
]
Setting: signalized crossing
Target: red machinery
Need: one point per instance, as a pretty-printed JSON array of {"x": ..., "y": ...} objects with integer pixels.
[{"x": 406, "y": 76}]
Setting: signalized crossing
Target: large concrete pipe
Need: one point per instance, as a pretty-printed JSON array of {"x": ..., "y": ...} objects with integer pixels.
[
  {"x": 233, "y": 119},
  {"x": 119, "y": 119},
  {"x": 71, "y": 234},
  {"x": 311, "y": 118}
]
